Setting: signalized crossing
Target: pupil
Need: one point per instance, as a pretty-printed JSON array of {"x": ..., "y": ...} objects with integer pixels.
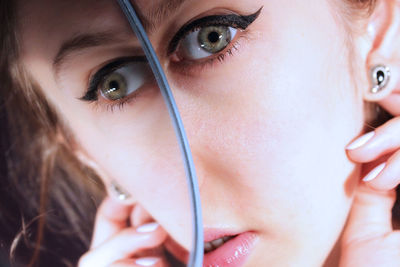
[
  {"x": 213, "y": 37},
  {"x": 381, "y": 76},
  {"x": 113, "y": 85}
]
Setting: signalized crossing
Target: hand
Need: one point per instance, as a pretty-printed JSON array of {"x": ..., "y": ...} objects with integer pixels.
[
  {"x": 369, "y": 238},
  {"x": 114, "y": 244}
]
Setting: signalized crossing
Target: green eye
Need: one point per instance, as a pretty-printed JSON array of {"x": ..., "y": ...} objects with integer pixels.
[
  {"x": 114, "y": 87},
  {"x": 214, "y": 39},
  {"x": 124, "y": 81},
  {"x": 206, "y": 41}
]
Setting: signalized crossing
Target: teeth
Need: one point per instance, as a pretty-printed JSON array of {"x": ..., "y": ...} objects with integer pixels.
[
  {"x": 217, "y": 243},
  {"x": 226, "y": 238},
  {"x": 210, "y": 246}
]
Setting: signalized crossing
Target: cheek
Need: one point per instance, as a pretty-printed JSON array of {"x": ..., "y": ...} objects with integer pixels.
[
  {"x": 141, "y": 153},
  {"x": 137, "y": 147},
  {"x": 270, "y": 137}
]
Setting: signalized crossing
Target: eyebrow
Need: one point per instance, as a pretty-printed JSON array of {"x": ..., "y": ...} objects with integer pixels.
[{"x": 150, "y": 21}]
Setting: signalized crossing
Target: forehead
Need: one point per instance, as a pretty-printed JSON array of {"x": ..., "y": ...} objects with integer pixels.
[
  {"x": 69, "y": 12},
  {"x": 44, "y": 23}
]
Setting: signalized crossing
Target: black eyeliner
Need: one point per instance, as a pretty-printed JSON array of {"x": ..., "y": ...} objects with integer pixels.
[
  {"x": 92, "y": 90},
  {"x": 231, "y": 20}
]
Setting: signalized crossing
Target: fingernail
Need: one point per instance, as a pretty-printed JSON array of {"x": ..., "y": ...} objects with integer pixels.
[
  {"x": 147, "y": 228},
  {"x": 359, "y": 142},
  {"x": 146, "y": 261},
  {"x": 374, "y": 173}
]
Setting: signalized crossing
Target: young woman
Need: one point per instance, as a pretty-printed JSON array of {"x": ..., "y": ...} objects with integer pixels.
[{"x": 274, "y": 96}]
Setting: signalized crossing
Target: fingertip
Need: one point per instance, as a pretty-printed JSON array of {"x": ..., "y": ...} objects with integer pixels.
[
  {"x": 377, "y": 179},
  {"x": 364, "y": 149},
  {"x": 148, "y": 227},
  {"x": 372, "y": 175},
  {"x": 361, "y": 141},
  {"x": 153, "y": 261},
  {"x": 110, "y": 219},
  {"x": 147, "y": 261},
  {"x": 154, "y": 232},
  {"x": 151, "y": 233},
  {"x": 140, "y": 216}
]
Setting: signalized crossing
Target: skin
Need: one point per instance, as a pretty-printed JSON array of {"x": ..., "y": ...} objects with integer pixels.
[{"x": 271, "y": 144}]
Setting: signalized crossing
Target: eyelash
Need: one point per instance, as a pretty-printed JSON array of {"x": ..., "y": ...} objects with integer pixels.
[
  {"x": 191, "y": 67},
  {"x": 235, "y": 21},
  {"x": 119, "y": 104},
  {"x": 92, "y": 92},
  {"x": 188, "y": 67}
]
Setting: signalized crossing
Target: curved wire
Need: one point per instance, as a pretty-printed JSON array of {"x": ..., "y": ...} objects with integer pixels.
[{"x": 196, "y": 257}]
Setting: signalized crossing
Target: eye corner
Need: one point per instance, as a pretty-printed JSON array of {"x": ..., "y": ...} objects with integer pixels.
[
  {"x": 255, "y": 15},
  {"x": 245, "y": 21},
  {"x": 90, "y": 96}
]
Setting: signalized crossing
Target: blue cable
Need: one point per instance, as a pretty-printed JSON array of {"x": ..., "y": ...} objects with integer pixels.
[{"x": 196, "y": 256}]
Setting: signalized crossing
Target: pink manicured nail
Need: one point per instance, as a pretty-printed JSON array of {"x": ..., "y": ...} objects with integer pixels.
[
  {"x": 359, "y": 142},
  {"x": 374, "y": 173},
  {"x": 147, "y": 228},
  {"x": 146, "y": 261}
]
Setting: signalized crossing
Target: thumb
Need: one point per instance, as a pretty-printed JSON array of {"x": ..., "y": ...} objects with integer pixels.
[{"x": 370, "y": 216}]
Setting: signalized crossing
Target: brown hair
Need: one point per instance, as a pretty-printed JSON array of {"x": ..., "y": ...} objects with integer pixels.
[
  {"x": 48, "y": 198},
  {"x": 41, "y": 221}
]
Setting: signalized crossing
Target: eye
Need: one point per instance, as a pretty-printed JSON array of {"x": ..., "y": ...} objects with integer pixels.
[
  {"x": 207, "y": 36},
  {"x": 124, "y": 81},
  {"x": 206, "y": 41},
  {"x": 119, "y": 79}
]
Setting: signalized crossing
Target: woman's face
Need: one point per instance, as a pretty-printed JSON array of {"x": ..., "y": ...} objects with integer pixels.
[{"x": 268, "y": 122}]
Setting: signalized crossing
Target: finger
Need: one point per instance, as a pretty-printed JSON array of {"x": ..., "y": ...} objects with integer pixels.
[
  {"x": 370, "y": 215},
  {"x": 385, "y": 176},
  {"x": 391, "y": 104},
  {"x": 140, "y": 216},
  {"x": 372, "y": 145},
  {"x": 140, "y": 262},
  {"x": 123, "y": 245},
  {"x": 111, "y": 218}
]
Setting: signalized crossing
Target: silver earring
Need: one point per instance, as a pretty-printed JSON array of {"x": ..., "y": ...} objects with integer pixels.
[
  {"x": 380, "y": 76},
  {"x": 118, "y": 192}
]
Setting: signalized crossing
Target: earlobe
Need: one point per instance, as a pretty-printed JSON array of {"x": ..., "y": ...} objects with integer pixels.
[
  {"x": 383, "y": 59},
  {"x": 114, "y": 190},
  {"x": 119, "y": 193},
  {"x": 86, "y": 160}
]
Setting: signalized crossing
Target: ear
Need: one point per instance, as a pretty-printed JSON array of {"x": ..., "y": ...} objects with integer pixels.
[
  {"x": 383, "y": 48},
  {"x": 114, "y": 190}
]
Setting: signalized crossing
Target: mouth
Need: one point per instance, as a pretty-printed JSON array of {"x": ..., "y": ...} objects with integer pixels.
[
  {"x": 221, "y": 249},
  {"x": 227, "y": 250},
  {"x": 215, "y": 244}
]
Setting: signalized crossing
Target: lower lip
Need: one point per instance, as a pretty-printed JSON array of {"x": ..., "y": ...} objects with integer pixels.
[{"x": 233, "y": 253}]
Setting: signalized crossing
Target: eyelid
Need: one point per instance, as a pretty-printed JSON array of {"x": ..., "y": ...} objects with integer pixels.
[
  {"x": 231, "y": 20},
  {"x": 94, "y": 82},
  {"x": 193, "y": 68}
]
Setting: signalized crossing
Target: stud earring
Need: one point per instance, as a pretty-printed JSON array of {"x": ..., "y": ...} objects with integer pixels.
[
  {"x": 380, "y": 76},
  {"x": 118, "y": 192}
]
